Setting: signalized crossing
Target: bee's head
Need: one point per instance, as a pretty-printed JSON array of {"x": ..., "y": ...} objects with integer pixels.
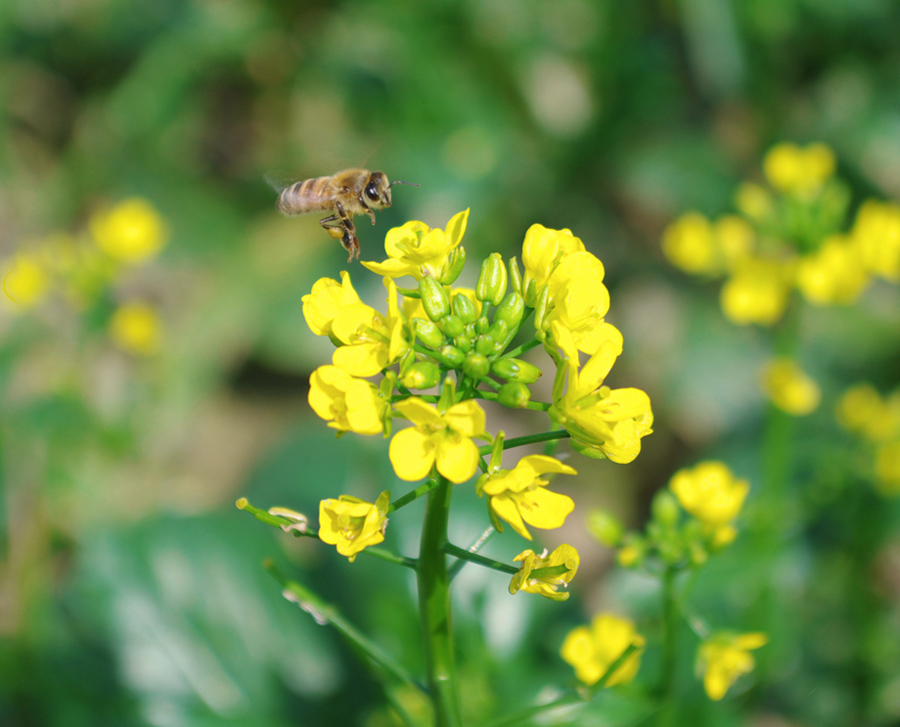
[{"x": 378, "y": 190}]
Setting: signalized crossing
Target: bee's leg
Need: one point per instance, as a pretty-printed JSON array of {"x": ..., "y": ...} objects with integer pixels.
[
  {"x": 366, "y": 208},
  {"x": 348, "y": 238}
]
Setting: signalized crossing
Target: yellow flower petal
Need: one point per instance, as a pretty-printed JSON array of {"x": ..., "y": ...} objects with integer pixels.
[{"x": 412, "y": 454}]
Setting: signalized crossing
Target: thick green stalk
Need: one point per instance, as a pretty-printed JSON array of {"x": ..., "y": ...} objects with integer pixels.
[
  {"x": 670, "y": 627},
  {"x": 434, "y": 607}
]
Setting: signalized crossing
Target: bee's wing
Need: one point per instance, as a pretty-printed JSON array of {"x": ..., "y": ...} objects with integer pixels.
[{"x": 279, "y": 180}]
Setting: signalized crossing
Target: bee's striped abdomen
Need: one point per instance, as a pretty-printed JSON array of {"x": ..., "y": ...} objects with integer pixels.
[{"x": 310, "y": 195}]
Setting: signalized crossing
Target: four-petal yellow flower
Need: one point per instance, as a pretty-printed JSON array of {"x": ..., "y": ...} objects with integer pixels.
[
  {"x": 353, "y": 524},
  {"x": 520, "y": 496},
  {"x": 593, "y": 649},
  {"x": 348, "y": 404},
  {"x": 559, "y": 570},
  {"x": 327, "y": 299},
  {"x": 438, "y": 439},
  {"x": 723, "y": 658}
]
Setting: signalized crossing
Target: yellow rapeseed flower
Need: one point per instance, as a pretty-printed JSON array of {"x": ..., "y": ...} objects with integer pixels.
[
  {"x": 832, "y": 274},
  {"x": 564, "y": 561},
  {"x": 593, "y": 649},
  {"x": 130, "y": 232},
  {"x": 795, "y": 170},
  {"x": 756, "y": 292},
  {"x": 754, "y": 202},
  {"x": 371, "y": 341},
  {"x": 542, "y": 251},
  {"x": 438, "y": 439},
  {"x": 723, "y": 658},
  {"x": 689, "y": 245},
  {"x": 353, "y": 524},
  {"x": 789, "y": 388},
  {"x": 520, "y": 496},
  {"x": 710, "y": 492},
  {"x": 601, "y": 421},
  {"x": 417, "y": 250},
  {"x": 348, "y": 404},
  {"x": 859, "y": 405},
  {"x": 327, "y": 299},
  {"x": 876, "y": 234},
  {"x": 25, "y": 281},
  {"x": 136, "y": 328}
]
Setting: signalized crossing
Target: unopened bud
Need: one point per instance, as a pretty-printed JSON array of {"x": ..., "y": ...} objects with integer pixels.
[
  {"x": 485, "y": 345},
  {"x": 510, "y": 311},
  {"x": 421, "y": 375},
  {"x": 476, "y": 366},
  {"x": 435, "y": 300},
  {"x": 453, "y": 356},
  {"x": 515, "y": 276},
  {"x": 492, "y": 281},
  {"x": 665, "y": 508},
  {"x": 453, "y": 326},
  {"x": 464, "y": 308},
  {"x": 607, "y": 528},
  {"x": 514, "y": 395},
  {"x": 514, "y": 369},
  {"x": 453, "y": 266},
  {"x": 428, "y": 333}
]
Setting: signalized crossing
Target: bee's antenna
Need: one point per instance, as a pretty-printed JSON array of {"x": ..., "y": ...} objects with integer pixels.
[{"x": 411, "y": 184}]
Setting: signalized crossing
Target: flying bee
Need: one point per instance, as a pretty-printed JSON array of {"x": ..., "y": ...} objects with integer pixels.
[{"x": 345, "y": 194}]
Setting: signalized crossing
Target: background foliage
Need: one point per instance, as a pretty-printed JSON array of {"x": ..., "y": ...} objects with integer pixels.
[{"x": 131, "y": 588}]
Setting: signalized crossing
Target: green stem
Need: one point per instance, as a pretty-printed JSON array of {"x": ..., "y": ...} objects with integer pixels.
[
  {"x": 670, "y": 626},
  {"x": 468, "y": 555},
  {"x": 412, "y": 495},
  {"x": 434, "y": 606},
  {"x": 473, "y": 548},
  {"x": 519, "y": 350},
  {"x": 324, "y": 612},
  {"x": 491, "y": 396},
  {"x": 530, "y": 439}
]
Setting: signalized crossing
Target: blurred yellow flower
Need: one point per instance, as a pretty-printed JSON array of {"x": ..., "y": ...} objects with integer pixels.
[
  {"x": 353, "y": 524},
  {"x": 753, "y": 201},
  {"x": 876, "y": 234},
  {"x": 327, "y": 299},
  {"x": 593, "y": 649},
  {"x": 417, "y": 250},
  {"x": 887, "y": 469},
  {"x": 129, "y": 232},
  {"x": 564, "y": 561},
  {"x": 348, "y": 404},
  {"x": 832, "y": 274},
  {"x": 441, "y": 439},
  {"x": 756, "y": 292},
  {"x": 601, "y": 421},
  {"x": 789, "y": 388},
  {"x": 710, "y": 492},
  {"x": 862, "y": 409},
  {"x": 520, "y": 496},
  {"x": 698, "y": 246},
  {"x": 795, "y": 170},
  {"x": 723, "y": 658},
  {"x": 27, "y": 280},
  {"x": 136, "y": 328}
]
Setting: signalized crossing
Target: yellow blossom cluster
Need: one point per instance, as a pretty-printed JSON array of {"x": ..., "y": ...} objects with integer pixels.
[
  {"x": 790, "y": 389},
  {"x": 444, "y": 349},
  {"x": 129, "y": 233},
  {"x": 788, "y": 237},
  {"x": 875, "y": 419}
]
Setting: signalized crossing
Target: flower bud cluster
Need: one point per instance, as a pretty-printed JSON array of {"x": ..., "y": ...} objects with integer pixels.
[
  {"x": 789, "y": 237},
  {"x": 690, "y": 520},
  {"x": 875, "y": 421}
]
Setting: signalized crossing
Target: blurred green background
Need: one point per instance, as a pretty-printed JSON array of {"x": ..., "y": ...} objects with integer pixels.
[{"x": 131, "y": 591}]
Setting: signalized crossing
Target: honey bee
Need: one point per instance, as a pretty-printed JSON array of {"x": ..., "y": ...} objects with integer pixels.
[{"x": 346, "y": 194}]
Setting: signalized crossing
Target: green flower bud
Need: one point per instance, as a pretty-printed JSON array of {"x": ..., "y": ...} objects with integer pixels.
[
  {"x": 453, "y": 326},
  {"x": 482, "y": 324},
  {"x": 435, "y": 300},
  {"x": 665, "y": 508},
  {"x": 540, "y": 309},
  {"x": 510, "y": 311},
  {"x": 464, "y": 342},
  {"x": 485, "y": 345},
  {"x": 515, "y": 276},
  {"x": 476, "y": 366},
  {"x": 491, "y": 286},
  {"x": 428, "y": 333},
  {"x": 499, "y": 332},
  {"x": 514, "y": 369},
  {"x": 514, "y": 395},
  {"x": 453, "y": 266},
  {"x": 421, "y": 375},
  {"x": 464, "y": 308},
  {"x": 453, "y": 356},
  {"x": 607, "y": 528}
]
